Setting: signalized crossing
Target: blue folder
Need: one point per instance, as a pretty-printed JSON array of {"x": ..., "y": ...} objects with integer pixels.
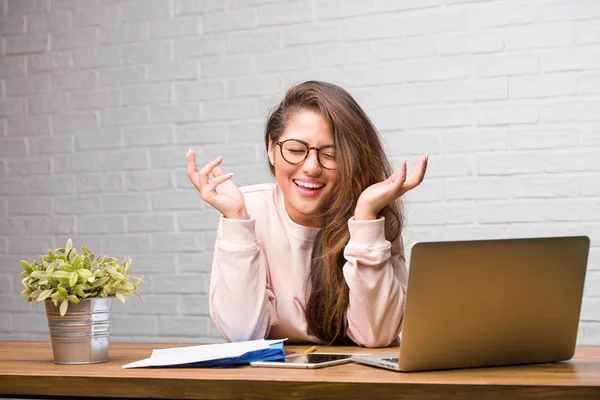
[{"x": 273, "y": 353}]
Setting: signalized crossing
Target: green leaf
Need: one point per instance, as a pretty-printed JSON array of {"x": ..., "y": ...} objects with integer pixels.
[
  {"x": 69, "y": 245},
  {"x": 100, "y": 282},
  {"x": 38, "y": 274},
  {"x": 79, "y": 291},
  {"x": 73, "y": 299},
  {"x": 62, "y": 291},
  {"x": 65, "y": 266},
  {"x": 61, "y": 274},
  {"x": 84, "y": 286},
  {"x": 120, "y": 296},
  {"x": 51, "y": 255},
  {"x": 64, "y": 306},
  {"x": 76, "y": 262},
  {"x": 34, "y": 295},
  {"x": 113, "y": 271},
  {"x": 85, "y": 273},
  {"x": 51, "y": 266},
  {"x": 45, "y": 294},
  {"x": 52, "y": 281},
  {"x": 73, "y": 279},
  {"x": 26, "y": 266},
  {"x": 57, "y": 297}
]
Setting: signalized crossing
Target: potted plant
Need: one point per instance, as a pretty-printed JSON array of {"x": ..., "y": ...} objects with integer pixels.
[{"x": 77, "y": 290}]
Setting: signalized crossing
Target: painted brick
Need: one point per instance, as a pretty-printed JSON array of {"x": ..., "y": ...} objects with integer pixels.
[
  {"x": 143, "y": 10},
  {"x": 84, "y": 37},
  {"x": 95, "y": 225},
  {"x": 230, "y": 21},
  {"x": 196, "y": 47},
  {"x": 175, "y": 27},
  {"x": 97, "y": 57},
  {"x": 193, "y": 7},
  {"x": 49, "y": 61},
  {"x": 14, "y": 67},
  {"x": 178, "y": 71},
  {"x": 285, "y": 14},
  {"x": 147, "y": 180},
  {"x": 199, "y": 91},
  {"x": 152, "y": 136},
  {"x": 151, "y": 223},
  {"x": 254, "y": 42},
  {"x": 27, "y": 43}
]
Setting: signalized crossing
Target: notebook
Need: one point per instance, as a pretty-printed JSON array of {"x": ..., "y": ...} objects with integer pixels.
[
  {"x": 214, "y": 355},
  {"x": 490, "y": 303}
]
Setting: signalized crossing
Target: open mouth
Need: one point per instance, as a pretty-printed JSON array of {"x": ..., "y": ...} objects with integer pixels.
[
  {"x": 308, "y": 188},
  {"x": 309, "y": 185}
]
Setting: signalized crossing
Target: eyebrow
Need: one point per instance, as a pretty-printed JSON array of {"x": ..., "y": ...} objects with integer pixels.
[{"x": 318, "y": 147}]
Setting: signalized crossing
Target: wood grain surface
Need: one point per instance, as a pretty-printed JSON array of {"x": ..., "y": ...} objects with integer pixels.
[{"x": 26, "y": 369}]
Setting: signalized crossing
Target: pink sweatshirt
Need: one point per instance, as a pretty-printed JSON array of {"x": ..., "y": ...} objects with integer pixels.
[{"x": 261, "y": 266}]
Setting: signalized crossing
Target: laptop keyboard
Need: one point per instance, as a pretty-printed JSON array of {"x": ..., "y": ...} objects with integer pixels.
[{"x": 393, "y": 359}]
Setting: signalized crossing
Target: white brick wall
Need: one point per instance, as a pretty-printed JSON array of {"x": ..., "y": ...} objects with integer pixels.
[{"x": 100, "y": 100}]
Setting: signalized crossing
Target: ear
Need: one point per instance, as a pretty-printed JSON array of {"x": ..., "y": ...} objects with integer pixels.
[{"x": 271, "y": 153}]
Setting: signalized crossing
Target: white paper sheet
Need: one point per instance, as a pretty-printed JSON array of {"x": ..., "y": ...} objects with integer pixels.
[{"x": 192, "y": 354}]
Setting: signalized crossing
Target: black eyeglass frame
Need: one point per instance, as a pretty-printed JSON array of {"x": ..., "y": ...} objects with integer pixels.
[{"x": 309, "y": 148}]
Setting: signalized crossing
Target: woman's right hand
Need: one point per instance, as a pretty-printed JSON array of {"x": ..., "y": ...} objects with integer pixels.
[{"x": 219, "y": 192}]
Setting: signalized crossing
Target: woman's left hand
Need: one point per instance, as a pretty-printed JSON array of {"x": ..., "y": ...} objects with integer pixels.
[{"x": 377, "y": 196}]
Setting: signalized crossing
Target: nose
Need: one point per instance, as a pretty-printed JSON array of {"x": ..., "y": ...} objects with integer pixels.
[{"x": 311, "y": 165}]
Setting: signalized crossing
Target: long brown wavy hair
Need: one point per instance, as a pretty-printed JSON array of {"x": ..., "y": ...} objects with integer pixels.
[{"x": 361, "y": 162}]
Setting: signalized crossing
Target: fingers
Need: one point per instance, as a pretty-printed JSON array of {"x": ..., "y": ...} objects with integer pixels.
[
  {"x": 208, "y": 168},
  {"x": 203, "y": 176},
  {"x": 219, "y": 179},
  {"x": 401, "y": 174},
  {"x": 217, "y": 171},
  {"x": 191, "y": 159},
  {"x": 417, "y": 175},
  {"x": 200, "y": 178}
]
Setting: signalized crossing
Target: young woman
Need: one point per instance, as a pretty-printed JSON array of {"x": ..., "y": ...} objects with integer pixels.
[{"x": 316, "y": 257}]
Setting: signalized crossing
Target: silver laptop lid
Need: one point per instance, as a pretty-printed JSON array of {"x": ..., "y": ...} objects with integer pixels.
[{"x": 493, "y": 302}]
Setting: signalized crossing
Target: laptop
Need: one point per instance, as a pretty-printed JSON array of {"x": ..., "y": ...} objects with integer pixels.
[{"x": 490, "y": 303}]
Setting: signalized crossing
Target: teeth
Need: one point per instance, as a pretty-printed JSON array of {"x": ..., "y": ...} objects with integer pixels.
[{"x": 309, "y": 185}]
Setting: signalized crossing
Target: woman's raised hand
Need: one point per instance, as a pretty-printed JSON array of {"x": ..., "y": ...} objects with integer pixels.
[
  {"x": 220, "y": 192},
  {"x": 377, "y": 196}
]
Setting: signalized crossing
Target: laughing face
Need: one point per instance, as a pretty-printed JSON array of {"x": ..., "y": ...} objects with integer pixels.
[{"x": 306, "y": 186}]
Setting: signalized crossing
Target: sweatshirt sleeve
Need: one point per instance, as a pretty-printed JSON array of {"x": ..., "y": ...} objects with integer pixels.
[
  {"x": 376, "y": 275},
  {"x": 241, "y": 304}
]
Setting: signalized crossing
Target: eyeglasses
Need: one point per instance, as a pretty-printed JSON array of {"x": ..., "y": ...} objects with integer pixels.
[{"x": 296, "y": 152}]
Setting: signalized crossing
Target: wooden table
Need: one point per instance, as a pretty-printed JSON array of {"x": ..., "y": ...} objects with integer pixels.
[{"x": 26, "y": 369}]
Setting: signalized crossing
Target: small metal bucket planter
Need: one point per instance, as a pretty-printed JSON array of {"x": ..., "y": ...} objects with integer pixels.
[{"x": 82, "y": 335}]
